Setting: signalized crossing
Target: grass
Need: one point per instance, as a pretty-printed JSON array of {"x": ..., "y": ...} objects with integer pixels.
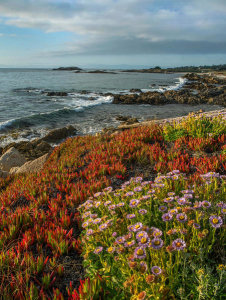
[{"x": 41, "y": 243}]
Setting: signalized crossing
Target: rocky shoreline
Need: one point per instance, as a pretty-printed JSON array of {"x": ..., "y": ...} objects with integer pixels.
[
  {"x": 29, "y": 157},
  {"x": 198, "y": 89},
  {"x": 23, "y": 157}
]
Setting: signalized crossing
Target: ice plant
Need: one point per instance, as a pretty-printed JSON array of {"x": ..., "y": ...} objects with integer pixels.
[{"x": 40, "y": 224}]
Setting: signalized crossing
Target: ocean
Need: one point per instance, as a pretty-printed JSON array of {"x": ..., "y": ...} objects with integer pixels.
[{"x": 27, "y": 112}]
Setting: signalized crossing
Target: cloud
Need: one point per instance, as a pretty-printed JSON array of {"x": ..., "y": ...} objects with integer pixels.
[
  {"x": 126, "y": 26},
  {"x": 140, "y": 46}
]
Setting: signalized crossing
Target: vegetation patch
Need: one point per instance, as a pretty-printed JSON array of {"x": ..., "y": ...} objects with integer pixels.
[{"x": 40, "y": 225}]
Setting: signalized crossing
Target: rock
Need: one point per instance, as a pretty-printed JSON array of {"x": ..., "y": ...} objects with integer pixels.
[
  {"x": 67, "y": 69},
  {"x": 31, "y": 166},
  {"x": 153, "y": 98},
  {"x": 84, "y": 92},
  {"x": 122, "y": 118},
  {"x": 4, "y": 174},
  {"x": 60, "y": 94},
  {"x": 197, "y": 90},
  {"x": 125, "y": 99},
  {"x": 127, "y": 120},
  {"x": 31, "y": 150},
  {"x": 192, "y": 76},
  {"x": 11, "y": 158},
  {"x": 59, "y": 134},
  {"x": 130, "y": 121},
  {"x": 99, "y": 72},
  {"x": 135, "y": 91},
  {"x": 96, "y": 72},
  {"x": 1, "y": 150},
  {"x": 13, "y": 170},
  {"x": 43, "y": 147}
]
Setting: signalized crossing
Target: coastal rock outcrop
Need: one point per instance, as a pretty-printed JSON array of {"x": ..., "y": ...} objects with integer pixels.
[
  {"x": 31, "y": 166},
  {"x": 58, "y": 94},
  {"x": 96, "y": 72},
  {"x": 135, "y": 91},
  {"x": 67, "y": 69},
  {"x": 127, "y": 120},
  {"x": 30, "y": 150},
  {"x": 59, "y": 134},
  {"x": 153, "y": 98},
  {"x": 11, "y": 158},
  {"x": 197, "y": 90}
]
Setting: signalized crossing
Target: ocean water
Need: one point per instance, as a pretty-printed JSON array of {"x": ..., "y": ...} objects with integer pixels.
[{"x": 26, "y": 112}]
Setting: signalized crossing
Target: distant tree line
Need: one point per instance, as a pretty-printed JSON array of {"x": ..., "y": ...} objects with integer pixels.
[{"x": 194, "y": 68}]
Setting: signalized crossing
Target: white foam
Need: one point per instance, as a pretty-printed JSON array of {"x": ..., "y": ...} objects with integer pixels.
[
  {"x": 174, "y": 87},
  {"x": 7, "y": 123},
  {"x": 79, "y": 102}
]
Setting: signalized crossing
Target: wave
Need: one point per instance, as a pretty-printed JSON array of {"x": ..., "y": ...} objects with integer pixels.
[
  {"x": 28, "y": 90},
  {"x": 74, "y": 105},
  {"x": 175, "y": 87}
]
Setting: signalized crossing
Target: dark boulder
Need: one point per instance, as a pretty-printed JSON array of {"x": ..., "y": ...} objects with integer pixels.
[
  {"x": 30, "y": 150},
  {"x": 59, "y": 134},
  {"x": 153, "y": 98},
  {"x": 192, "y": 76},
  {"x": 127, "y": 120},
  {"x": 59, "y": 94},
  {"x": 100, "y": 72},
  {"x": 135, "y": 91},
  {"x": 67, "y": 69}
]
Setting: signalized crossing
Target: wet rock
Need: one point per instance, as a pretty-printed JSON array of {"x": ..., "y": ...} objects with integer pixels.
[
  {"x": 58, "y": 94},
  {"x": 192, "y": 76},
  {"x": 127, "y": 120},
  {"x": 125, "y": 99},
  {"x": 99, "y": 72},
  {"x": 67, "y": 69},
  {"x": 135, "y": 91},
  {"x": 11, "y": 158},
  {"x": 43, "y": 147},
  {"x": 84, "y": 92},
  {"x": 153, "y": 98},
  {"x": 59, "y": 134},
  {"x": 107, "y": 94},
  {"x": 197, "y": 90}
]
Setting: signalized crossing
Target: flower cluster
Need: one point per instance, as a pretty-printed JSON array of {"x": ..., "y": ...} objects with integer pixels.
[{"x": 161, "y": 237}]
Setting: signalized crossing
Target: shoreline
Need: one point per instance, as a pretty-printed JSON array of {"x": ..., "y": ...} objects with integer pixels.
[
  {"x": 87, "y": 167},
  {"x": 209, "y": 114},
  {"x": 41, "y": 150},
  {"x": 210, "y": 90},
  {"x": 196, "y": 89}
]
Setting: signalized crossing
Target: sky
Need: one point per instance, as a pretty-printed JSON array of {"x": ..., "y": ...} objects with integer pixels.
[{"x": 112, "y": 33}]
